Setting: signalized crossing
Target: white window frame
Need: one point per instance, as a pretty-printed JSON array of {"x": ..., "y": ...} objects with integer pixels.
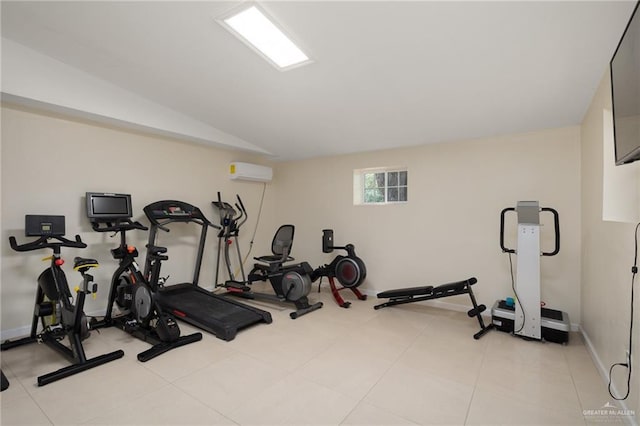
[{"x": 359, "y": 185}]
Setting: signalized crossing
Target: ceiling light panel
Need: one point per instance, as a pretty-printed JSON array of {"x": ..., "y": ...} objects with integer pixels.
[{"x": 253, "y": 27}]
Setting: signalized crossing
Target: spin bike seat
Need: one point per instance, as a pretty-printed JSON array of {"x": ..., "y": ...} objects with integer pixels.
[{"x": 84, "y": 263}]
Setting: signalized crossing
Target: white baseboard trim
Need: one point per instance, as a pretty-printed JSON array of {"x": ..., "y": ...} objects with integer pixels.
[
  {"x": 604, "y": 374},
  {"x": 24, "y": 331},
  {"x": 15, "y": 333}
]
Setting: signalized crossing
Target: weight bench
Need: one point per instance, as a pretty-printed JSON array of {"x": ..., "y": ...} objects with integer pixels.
[{"x": 418, "y": 294}]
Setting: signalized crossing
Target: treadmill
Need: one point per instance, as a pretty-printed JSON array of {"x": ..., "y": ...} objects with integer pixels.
[{"x": 189, "y": 302}]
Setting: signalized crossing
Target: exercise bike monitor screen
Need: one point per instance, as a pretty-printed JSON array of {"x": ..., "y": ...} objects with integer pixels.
[
  {"x": 102, "y": 206},
  {"x": 44, "y": 226}
]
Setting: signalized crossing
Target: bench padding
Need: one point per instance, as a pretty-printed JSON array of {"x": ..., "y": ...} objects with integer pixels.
[
  {"x": 427, "y": 290},
  {"x": 409, "y": 291}
]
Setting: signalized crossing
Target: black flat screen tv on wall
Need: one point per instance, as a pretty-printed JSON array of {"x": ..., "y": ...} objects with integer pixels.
[{"x": 625, "y": 92}]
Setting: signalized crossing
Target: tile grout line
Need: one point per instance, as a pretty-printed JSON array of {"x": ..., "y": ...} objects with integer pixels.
[
  {"x": 475, "y": 385},
  {"x": 383, "y": 375}
]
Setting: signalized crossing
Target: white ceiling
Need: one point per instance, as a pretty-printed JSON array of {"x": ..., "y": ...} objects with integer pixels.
[{"x": 385, "y": 73}]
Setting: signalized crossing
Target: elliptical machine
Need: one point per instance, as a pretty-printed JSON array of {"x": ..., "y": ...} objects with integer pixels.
[
  {"x": 349, "y": 270},
  {"x": 135, "y": 294},
  {"x": 290, "y": 283},
  {"x": 54, "y": 307},
  {"x": 525, "y": 317}
]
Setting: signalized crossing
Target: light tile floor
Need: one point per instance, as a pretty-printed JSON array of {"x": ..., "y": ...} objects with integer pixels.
[{"x": 404, "y": 365}]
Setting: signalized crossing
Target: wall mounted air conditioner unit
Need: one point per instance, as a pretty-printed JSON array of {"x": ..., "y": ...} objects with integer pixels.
[{"x": 250, "y": 172}]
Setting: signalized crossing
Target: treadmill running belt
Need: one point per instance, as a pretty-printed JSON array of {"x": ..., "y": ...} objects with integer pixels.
[{"x": 215, "y": 314}]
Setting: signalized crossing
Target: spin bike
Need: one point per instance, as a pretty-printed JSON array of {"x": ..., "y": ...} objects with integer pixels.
[
  {"x": 54, "y": 307},
  {"x": 134, "y": 293},
  {"x": 349, "y": 270},
  {"x": 290, "y": 283}
]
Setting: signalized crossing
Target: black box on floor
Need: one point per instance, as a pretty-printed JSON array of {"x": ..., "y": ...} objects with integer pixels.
[{"x": 555, "y": 325}]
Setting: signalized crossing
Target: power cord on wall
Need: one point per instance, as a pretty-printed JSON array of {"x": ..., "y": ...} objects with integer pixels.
[
  {"x": 634, "y": 271},
  {"x": 255, "y": 230}
]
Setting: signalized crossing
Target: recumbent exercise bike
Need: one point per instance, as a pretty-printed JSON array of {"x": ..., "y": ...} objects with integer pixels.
[
  {"x": 290, "y": 283},
  {"x": 54, "y": 307}
]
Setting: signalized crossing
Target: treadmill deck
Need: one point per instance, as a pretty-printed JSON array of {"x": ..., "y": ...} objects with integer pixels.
[{"x": 218, "y": 315}]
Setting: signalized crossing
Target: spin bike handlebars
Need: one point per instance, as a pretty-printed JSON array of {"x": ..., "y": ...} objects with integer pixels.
[
  {"x": 43, "y": 242},
  {"x": 556, "y": 229},
  {"x": 118, "y": 226}
]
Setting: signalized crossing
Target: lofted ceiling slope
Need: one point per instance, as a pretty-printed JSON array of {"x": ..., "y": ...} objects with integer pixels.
[{"x": 384, "y": 73}]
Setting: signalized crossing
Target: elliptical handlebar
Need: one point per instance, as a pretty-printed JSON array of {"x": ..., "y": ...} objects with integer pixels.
[
  {"x": 230, "y": 218},
  {"x": 225, "y": 211},
  {"x": 43, "y": 242},
  {"x": 243, "y": 212}
]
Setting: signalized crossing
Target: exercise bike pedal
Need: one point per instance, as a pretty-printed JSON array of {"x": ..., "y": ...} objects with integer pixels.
[
  {"x": 166, "y": 328},
  {"x": 130, "y": 325},
  {"x": 51, "y": 332}
]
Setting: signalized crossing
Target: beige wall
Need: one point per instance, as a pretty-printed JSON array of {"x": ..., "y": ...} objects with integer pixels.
[
  {"x": 449, "y": 229},
  {"x": 607, "y": 256},
  {"x": 48, "y": 163}
]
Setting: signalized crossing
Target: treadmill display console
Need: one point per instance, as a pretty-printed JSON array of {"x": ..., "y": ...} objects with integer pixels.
[{"x": 172, "y": 210}]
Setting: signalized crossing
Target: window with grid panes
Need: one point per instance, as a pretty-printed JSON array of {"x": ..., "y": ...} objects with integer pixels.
[{"x": 384, "y": 186}]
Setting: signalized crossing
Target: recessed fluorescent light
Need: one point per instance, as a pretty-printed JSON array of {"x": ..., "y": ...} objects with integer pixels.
[{"x": 253, "y": 27}]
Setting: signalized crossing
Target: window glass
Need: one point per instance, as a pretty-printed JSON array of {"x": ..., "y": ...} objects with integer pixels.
[
  {"x": 383, "y": 186},
  {"x": 393, "y": 178},
  {"x": 403, "y": 178}
]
